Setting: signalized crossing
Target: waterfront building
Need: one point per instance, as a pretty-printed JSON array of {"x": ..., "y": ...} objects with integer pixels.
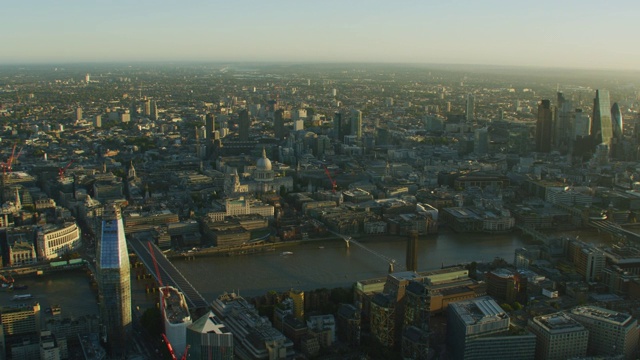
[
  {"x": 611, "y": 333},
  {"x": 254, "y": 337},
  {"x": 208, "y": 338},
  {"x": 22, "y": 253},
  {"x": 479, "y": 329},
  {"x": 20, "y": 320},
  {"x": 298, "y": 303},
  {"x": 558, "y": 337},
  {"x": 114, "y": 281},
  {"x": 601, "y": 124},
  {"x": 55, "y": 241},
  {"x": 176, "y": 317}
]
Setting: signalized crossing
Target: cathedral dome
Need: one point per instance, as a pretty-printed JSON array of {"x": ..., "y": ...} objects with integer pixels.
[{"x": 263, "y": 163}]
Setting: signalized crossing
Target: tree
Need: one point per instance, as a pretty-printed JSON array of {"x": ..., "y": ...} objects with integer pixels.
[{"x": 506, "y": 307}]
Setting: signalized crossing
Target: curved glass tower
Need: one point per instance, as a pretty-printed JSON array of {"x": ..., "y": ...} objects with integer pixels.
[{"x": 616, "y": 121}]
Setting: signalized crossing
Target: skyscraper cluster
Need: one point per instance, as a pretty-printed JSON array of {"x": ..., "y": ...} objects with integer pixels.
[{"x": 565, "y": 129}]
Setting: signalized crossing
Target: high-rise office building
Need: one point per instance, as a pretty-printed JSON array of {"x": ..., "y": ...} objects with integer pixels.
[
  {"x": 278, "y": 124},
  {"x": 97, "y": 121},
  {"x": 617, "y": 148},
  {"x": 562, "y": 123},
  {"x": 610, "y": 332},
  {"x": 147, "y": 107},
  {"x": 78, "y": 114},
  {"x": 601, "y": 126},
  {"x": 114, "y": 281},
  {"x": 581, "y": 124},
  {"x": 558, "y": 337},
  {"x": 412, "y": 251},
  {"x": 210, "y": 125},
  {"x": 356, "y": 124},
  {"x": 478, "y": 329},
  {"x": 470, "y": 110},
  {"x": 481, "y": 141},
  {"x": 208, "y": 338},
  {"x": 338, "y": 126},
  {"x": 154, "y": 110},
  {"x": 544, "y": 126},
  {"x": 244, "y": 123}
]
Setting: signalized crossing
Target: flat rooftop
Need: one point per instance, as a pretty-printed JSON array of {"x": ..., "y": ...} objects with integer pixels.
[
  {"x": 601, "y": 314},
  {"x": 558, "y": 322}
]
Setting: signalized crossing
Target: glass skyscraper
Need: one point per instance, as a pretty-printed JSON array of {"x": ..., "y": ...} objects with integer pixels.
[
  {"x": 601, "y": 126},
  {"x": 114, "y": 281}
]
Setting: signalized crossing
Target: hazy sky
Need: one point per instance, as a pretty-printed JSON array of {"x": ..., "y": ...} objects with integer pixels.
[{"x": 560, "y": 33}]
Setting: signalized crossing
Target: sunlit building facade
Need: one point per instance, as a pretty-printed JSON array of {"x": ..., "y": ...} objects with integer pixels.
[{"x": 114, "y": 281}]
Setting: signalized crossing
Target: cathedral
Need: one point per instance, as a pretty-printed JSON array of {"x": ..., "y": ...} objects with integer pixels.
[{"x": 262, "y": 180}]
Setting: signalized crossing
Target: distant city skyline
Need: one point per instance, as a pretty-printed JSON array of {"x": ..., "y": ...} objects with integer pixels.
[{"x": 586, "y": 35}]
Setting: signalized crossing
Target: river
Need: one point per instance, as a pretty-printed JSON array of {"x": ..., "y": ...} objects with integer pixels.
[{"x": 330, "y": 264}]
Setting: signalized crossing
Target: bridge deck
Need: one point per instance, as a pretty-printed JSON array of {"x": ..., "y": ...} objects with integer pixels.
[
  {"x": 169, "y": 274},
  {"x": 614, "y": 229}
]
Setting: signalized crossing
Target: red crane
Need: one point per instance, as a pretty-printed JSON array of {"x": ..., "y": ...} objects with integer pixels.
[
  {"x": 162, "y": 288},
  {"x": 333, "y": 182},
  {"x": 7, "y": 164},
  {"x": 61, "y": 171}
]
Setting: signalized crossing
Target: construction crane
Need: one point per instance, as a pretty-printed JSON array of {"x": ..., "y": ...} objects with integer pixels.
[
  {"x": 7, "y": 164},
  {"x": 61, "y": 171},
  {"x": 163, "y": 289},
  {"x": 333, "y": 182}
]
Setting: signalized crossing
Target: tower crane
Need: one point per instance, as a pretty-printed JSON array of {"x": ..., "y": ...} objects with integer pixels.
[
  {"x": 7, "y": 164},
  {"x": 333, "y": 182},
  {"x": 163, "y": 289},
  {"x": 61, "y": 171}
]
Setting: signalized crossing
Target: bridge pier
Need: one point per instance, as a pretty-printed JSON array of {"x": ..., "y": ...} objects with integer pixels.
[
  {"x": 346, "y": 242},
  {"x": 390, "y": 268}
]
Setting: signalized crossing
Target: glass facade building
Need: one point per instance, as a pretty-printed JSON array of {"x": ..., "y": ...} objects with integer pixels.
[{"x": 114, "y": 281}]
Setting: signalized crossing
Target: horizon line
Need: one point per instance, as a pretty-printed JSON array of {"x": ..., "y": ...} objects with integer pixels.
[{"x": 307, "y": 62}]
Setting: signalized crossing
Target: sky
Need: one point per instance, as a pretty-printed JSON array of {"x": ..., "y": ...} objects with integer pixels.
[{"x": 566, "y": 34}]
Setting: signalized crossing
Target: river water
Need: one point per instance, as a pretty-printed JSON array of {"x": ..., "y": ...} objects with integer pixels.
[
  {"x": 312, "y": 265},
  {"x": 330, "y": 264}
]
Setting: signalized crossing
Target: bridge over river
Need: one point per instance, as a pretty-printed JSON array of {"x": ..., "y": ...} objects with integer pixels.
[{"x": 168, "y": 273}]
